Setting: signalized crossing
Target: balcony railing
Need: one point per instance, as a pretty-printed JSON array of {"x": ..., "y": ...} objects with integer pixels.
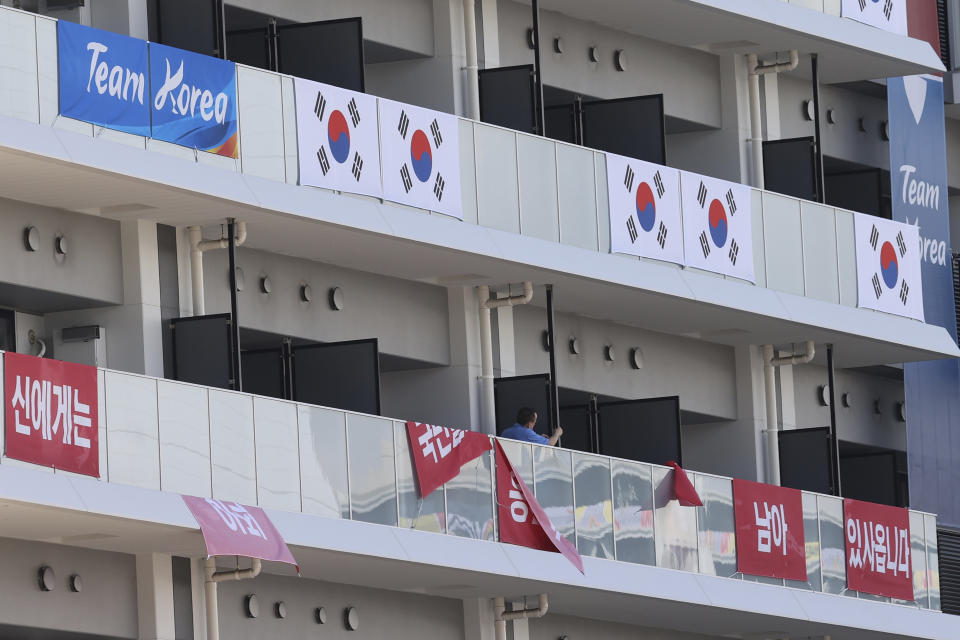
[{"x": 177, "y": 437}]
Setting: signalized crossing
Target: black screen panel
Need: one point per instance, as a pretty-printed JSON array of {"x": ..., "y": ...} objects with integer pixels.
[
  {"x": 806, "y": 462},
  {"x": 189, "y": 24},
  {"x": 507, "y": 97},
  {"x": 789, "y": 167},
  {"x": 249, "y": 47},
  {"x": 577, "y": 428},
  {"x": 561, "y": 123},
  {"x": 330, "y": 51},
  {"x": 263, "y": 372},
  {"x": 201, "y": 350},
  {"x": 632, "y": 127},
  {"x": 511, "y": 394},
  {"x": 644, "y": 430},
  {"x": 342, "y": 375},
  {"x": 871, "y": 477},
  {"x": 859, "y": 191}
]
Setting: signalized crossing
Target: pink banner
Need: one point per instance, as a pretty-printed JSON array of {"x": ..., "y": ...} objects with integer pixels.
[
  {"x": 440, "y": 452},
  {"x": 232, "y": 529},
  {"x": 770, "y": 537},
  {"x": 878, "y": 549}
]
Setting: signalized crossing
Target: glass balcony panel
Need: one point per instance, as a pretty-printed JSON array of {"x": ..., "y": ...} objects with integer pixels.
[
  {"x": 676, "y": 526},
  {"x": 594, "y": 509},
  {"x": 833, "y": 553},
  {"x": 424, "y": 514},
  {"x": 553, "y": 477},
  {"x": 520, "y": 455},
  {"x": 716, "y": 528},
  {"x": 633, "y": 512},
  {"x": 470, "y": 500},
  {"x": 811, "y": 534},
  {"x": 933, "y": 561},
  {"x": 373, "y": 483},
  {"x": 918, "y": 560},
  {"x": 323, "y": 462}
]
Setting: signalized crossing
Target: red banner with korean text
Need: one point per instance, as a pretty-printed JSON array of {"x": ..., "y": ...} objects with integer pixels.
[
  {"x": 769, "y": 521},
  {"x": 233, "y": 529},
  {"x": 440, "y": 452},
  {"x": 878, "y": 549},
  {"x": 51, "y": 413},
  {"x": 522, "y": 520}
]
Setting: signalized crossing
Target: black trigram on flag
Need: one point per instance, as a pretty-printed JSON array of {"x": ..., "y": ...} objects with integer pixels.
[
  {"x": 357, "y": 166},
  {"x": 731, "y": 203},
  {"x": 904, "y": 292},
  {"x": 702, "y": 194},
  {"x": 322, "y": 158},
  {"x": 887, "y": 8},
  {"x": 901, "y": 245},
  {"x": 704, "y": 244},
  {"x": 405, "y": 177},
  {"x": 435, "y": 131},
  {"x": 628, "y": 179},
  {"x": 863, "y": 4},
  {"x": 403, "y": 127},
  {"x": 876, "y": 286},
  {"x": 734, "y": 252},
  {"x": 661, "y": 234},
  {"x": 658, "y": 184},
  {"x": 874, "y": 237},
  {"x": 354, "y": 112},
  {"x": 438, "y": 186},
  {"x": 632, "y": 229},
  {"x": 320, "y": 106}
]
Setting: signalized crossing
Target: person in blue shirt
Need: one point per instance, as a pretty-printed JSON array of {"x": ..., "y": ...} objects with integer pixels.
[{"x": 523, "y": 429}]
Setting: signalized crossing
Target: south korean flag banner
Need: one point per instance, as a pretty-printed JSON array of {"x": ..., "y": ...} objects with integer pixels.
[
  {"x": 888, "y": 266},
  {"x": 889, "y": 15},
  {"x": 337, "y": 138},
  {"x": 645, "y": 217},
  {"x": 421, "y": 157},
  {"x": 717, "y": 228}
]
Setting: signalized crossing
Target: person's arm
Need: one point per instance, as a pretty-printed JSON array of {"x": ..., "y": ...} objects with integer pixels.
[{"x": 556, "y": 436}]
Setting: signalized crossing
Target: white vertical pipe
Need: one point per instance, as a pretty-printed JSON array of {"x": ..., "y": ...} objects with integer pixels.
[
  {"x": 756, "y": 127},
  {"x": 772, "y": 440},
  {"x": 472, "y": 67},
  {"x": 499, "y": 624},
  {"x": 196, "y": 270},
  {"x": 488, "y": 404},
  {"x": 210, "y": 589}
]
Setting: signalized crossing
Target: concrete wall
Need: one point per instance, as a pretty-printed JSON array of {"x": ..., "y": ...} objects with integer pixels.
[
  {"x": 554, "y": 626},
  {"x": 107, "y": 605},
  {"x": 382, "y": 614}
]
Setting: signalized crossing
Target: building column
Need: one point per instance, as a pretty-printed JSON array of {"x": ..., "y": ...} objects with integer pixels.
[
  {"x": 142, "y": 345},
  {"x": 155, "y": 597},
  {"x": 478, "y": 619}
]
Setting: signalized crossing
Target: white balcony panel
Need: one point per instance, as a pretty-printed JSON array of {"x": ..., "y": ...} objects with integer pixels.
[
  {"x": 184, "y": 438},
  {"x": 782, "y": 243},
  {"x": 846, "y": 258},
  {"x": 578, "y": 196},
  {"x": 820, "y": 278},
  {"x": 373, "y": 480},
  {"x": 48, "y": 93},
  {"x": 468, "y": 172},
  {"x": 498, "y": 206},
  {"x": 323, "y": 461},
  {"x": 233, "y": 448},
  {"x": 759, "y": 251},
  {"x": 260, "y": 111},
  {"x": 133, "y": 439},
  {"x": 291, "y": 162},
  {"x": 537, "y": 163},
  {"x": 603, "y": 203},
  {"x": 278, "y": 454},
  {"x": 18, "y": 66}
]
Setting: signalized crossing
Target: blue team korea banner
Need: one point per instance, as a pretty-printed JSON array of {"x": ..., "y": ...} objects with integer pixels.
[
  {"x": 103, "y": 78},
  {"x": 194, "y": 100}
]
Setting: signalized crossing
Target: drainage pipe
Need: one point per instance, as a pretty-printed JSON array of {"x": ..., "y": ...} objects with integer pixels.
[
  {"x": 501, "y": 615},
  {"x": 210, "y": 590},
  {"x": 770, "y": 387},
  {"x": 754, "y": 71},
  {"x": 197, "y": 246},
  {"x": 472, "y": 67}
]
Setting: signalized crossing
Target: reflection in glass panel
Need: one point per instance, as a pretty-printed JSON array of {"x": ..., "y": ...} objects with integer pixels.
[
  {"x": 521, "y": 457},
  {"x": 811, "y": 535},
  {"x": 918, "y": 560},
  {"x": 594, "y": 505},
  {"x": 933, "y": 561},
  {"x": 373, "y": 483},
  {"x": 633, "y": 512},
  {"x": 832, "y": 549},
  {"x": 415, "y": 513},
  {"x": 323, "y": 461},
  {"x": 676, "y": 526},
  {"x": 717, "y": 531},
  {"x": 554, "y": 487},
  {"x": 470, "y": 500}
]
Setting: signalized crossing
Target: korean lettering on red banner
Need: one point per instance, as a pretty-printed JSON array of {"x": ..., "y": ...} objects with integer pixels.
[
  {"x": 878, "y": 549},
  {"x": 770, "y": 540},
  {"x": 51, "y": 413},
  {"x": 440, "y": 452}
]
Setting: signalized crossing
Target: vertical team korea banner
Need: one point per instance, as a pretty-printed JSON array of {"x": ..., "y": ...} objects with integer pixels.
[
  {"x": 337, "y": 137},
  {"x": 194, "y": 100},
  {"x": 888, "y": 266},
  {"x": 522, "y": 520},
  {"x": 103, "y": 78},
  {"x": 717, "y": 228},
  {"x": 645, "y": 217},
  {"x": 878, "y": 549},
  {"x": 439, "y": 453},
  {"x": 420, "y": 156},
  {"x": 770, "y": 538},
  {"x": 232, "y": 529},
  {"x": 889, "y": 15},
  {"x": 51, "y": 413}
]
